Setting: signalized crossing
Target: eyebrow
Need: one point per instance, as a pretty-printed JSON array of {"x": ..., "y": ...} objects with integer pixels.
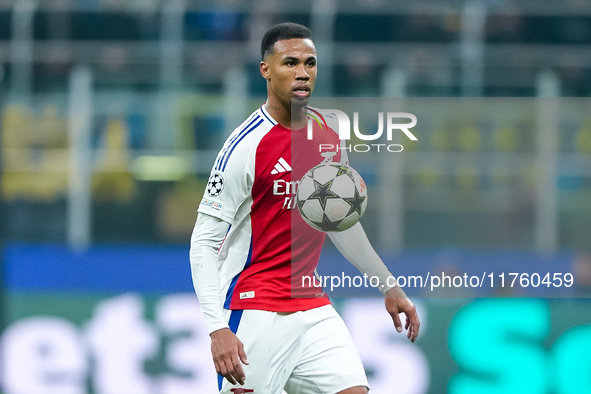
[{"x": 293, "y": 58}]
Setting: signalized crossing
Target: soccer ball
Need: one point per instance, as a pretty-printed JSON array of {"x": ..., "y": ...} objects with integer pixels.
[{"x": 331, "y": 197}]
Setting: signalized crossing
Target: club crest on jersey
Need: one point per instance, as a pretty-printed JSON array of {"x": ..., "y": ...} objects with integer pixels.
[
  {"x": 328, "y": 156},
  {"x": 215, "y": 184}
]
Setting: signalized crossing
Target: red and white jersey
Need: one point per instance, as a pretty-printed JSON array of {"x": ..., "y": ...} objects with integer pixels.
[{"x": 252, "y": 187}]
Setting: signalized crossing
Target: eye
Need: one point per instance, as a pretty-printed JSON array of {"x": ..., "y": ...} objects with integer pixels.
[
  {"x": 290, "y": 63},
  {"x": 311, "y": 63}
]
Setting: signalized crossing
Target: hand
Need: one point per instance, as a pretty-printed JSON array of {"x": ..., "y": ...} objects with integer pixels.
[
  {"x": 397, "y": 302},
  {"x": 228, "y": 352}
]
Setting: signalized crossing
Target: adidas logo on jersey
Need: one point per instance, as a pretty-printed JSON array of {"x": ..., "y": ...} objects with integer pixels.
[{"x": 281, "y": 166}]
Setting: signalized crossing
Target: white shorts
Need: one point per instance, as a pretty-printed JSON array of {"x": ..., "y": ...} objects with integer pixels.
[{"x": 307, "y": 352}]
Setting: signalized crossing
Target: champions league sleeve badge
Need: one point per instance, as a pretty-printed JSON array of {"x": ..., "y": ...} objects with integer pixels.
[{"x": 215, "y": 185}]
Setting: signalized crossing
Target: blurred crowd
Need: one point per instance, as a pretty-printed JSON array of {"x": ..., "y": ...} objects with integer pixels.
[{"x": 424, "y": 40}]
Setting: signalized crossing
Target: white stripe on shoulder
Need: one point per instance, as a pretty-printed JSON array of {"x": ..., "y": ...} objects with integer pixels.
[{"x": 264, "y": 112}]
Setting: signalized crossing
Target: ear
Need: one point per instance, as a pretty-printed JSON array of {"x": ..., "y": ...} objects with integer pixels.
[{"x": 264, "y": 68}]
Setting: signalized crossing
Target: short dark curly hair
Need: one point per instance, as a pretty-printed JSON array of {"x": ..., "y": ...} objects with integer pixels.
[{"x": 282, "y": 31}]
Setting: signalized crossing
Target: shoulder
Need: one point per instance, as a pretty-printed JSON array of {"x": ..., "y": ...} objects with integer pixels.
[
  {"x": 244, "y": 139},
  {"x": 325, "y": 118}
]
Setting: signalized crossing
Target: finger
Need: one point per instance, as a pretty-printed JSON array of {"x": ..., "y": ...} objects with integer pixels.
[
  {"x": 242, "y": 354},
  {"x": 407, "y": 323},
  {"x": 225, "y": 373},
  {"x": 237, "y": 371},
  {"x": 415, "y": 326},
  {"x": 413, "y": 333},
  {"x": 228, "y": 372},
  {"x": 218, "y": 369},
  {"x": 397, "y": 322}
]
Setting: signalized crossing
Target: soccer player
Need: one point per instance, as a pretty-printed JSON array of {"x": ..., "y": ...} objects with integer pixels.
[{"x": 243, "y": 248}]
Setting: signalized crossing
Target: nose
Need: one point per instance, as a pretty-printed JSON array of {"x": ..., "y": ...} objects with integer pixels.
[{"x": 301, "y": 73}]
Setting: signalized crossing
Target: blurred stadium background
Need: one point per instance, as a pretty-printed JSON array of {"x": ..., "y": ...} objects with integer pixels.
[{"x": 111, "y": 112}]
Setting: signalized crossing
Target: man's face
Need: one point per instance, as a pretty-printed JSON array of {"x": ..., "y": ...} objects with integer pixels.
[{"x": 291, "y": 70}]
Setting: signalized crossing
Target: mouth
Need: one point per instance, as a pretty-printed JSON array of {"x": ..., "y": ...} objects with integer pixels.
[{"x": 301, "y": 91}]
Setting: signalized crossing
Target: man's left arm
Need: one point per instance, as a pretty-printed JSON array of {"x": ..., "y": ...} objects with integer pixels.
[{"x": 356, "y": 248}]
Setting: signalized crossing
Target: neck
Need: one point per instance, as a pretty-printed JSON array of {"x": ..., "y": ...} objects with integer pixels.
[{"x": 284, "y": 116}]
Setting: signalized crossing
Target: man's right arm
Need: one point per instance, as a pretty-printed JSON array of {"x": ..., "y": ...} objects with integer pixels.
[
  {"x": 226, "y": 348},
  {"x": 206, "y": 240}
]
